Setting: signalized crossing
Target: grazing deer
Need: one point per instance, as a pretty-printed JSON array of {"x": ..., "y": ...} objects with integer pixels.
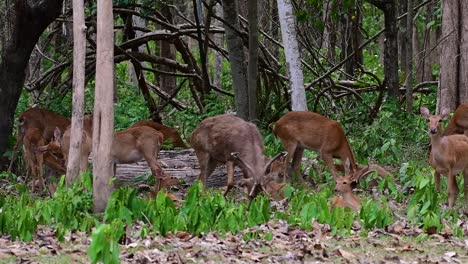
[
  {"x": 459, "y": 122},
  {"x": 129, "y": 146},
  {"x": 301, "y": 130},
  {"x": 231, "y": 140},
  {"x": 31, "y": 140},
  {"x": 170, "y": 134},
  {"x": 449, "y": 156},
  {"x": 346, "y": 198},
  {"x": 43, "y": 120}
]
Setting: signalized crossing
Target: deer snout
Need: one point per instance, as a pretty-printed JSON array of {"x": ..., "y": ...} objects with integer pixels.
[{"x": 433, "y": 130}]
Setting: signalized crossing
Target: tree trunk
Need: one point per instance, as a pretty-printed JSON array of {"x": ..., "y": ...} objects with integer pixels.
[
  {"x": 391, "y": 45},
  {"x": 463, "y": 69},
  {"x": 237, "y": 58},
  {"x": 29, "y": 23},
  {"x": 167, "y": 82},
  {"x": 218, "y": 57},
  {"x": 402, "y": 35},
  {"x": 253, "y": 58},
  {"x": 449, "y": 63},
  {"x": 79, "y": 62},
  {"x": 202, "y": 48},
  {"x": 329, "y": 30},
  {"x": 103, "y": 124},
  {"x": 291, "y": 50},
  {"x": 409, "y": 58},
  {"x": 136, "y": 21}
]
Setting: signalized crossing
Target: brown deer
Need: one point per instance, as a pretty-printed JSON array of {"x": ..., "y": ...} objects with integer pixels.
[
  {"x": 301, "y": 130},
  {"x": 459, "y": 122},
  {"x": 129, "y": 146},
  {"x": 343, "y": 187},
  {"x": 231, "y": 140},
  {"x": 170, "y": 134},
  {"x": 43, "y": 120},
  {"x": 449, "y": 156}
]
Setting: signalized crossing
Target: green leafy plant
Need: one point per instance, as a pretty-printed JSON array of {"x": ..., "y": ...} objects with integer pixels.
[{"x": 104, "y": 243}]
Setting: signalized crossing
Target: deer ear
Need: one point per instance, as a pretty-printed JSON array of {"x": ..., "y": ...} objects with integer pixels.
[
  {"x": 424, "y": 112},
  {"x": 445, "y": 113},
  {"x": 346, "y": 167},
  {"x": 57, "y": 134},
  {"x": 281, "y": 157}
]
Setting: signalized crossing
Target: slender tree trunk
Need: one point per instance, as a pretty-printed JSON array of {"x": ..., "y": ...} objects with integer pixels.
[
  {"x": 79, "y": 62},
  {"x": 167, "y": 82},
  {"x": 391, "y": 45},
  {"x": 218, "y": 58},
  {"x": 448, "y": 93},
  {"x": 28, "y": 24},
  {"x": 253, "y": 58},
  {"x": 201, "y": 47},
  {"x": 409, "y": 58},
  {"x": 329, "y": 31},
  {"x": 463, "y": 77},
  {"x": 402, "y": 35},
  {"x": 237, "y": 58},
  {"x": 103, "y": 107},
  {"x": 291, "y": 50},
  {"x": 139, "y": 22}
]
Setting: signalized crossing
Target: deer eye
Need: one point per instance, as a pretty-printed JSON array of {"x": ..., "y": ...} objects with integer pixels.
[
  {"x": 440, "y": 120},
  {"x": 345, "y": 182}
]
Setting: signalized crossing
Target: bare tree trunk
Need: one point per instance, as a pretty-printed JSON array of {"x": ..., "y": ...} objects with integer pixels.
[
  {"x": 237, "y": 58},
  {"x": 79, "y": 62},
  {"x": 137, "y": 21},
  {"x": 403, "y": 36},
  {"x": 28, "y": 24},
  {"x": 167, "y": 82},
  {"x": 409, "y": 58},
  {"x": 449, "y": 62},
  {"x": 103, "y": 107},
  {"x": 253, "y": 58},
  {"x": 391, "y": 45},
  {"x": 218, "y": 58},
  {"x": 329, "y": 31},
  {"x": 291, "y": 50},
  {"x": 463, "y": 68}
]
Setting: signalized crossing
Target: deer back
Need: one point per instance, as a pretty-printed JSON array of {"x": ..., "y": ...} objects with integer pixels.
[
  {"x": 221, "y": 135},
  {"x": 316, "y": 132},
  {"x": 459, "y": 122},
  {"x": 132, "y": 144},
  {"x": 44, "y": 120},
  {"x": 169, "y": 133}
]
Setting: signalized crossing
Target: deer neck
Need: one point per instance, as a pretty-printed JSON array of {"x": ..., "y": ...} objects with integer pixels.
[
  {"x": 435, "y": 140},
  {"x": 351, "y": 199}
]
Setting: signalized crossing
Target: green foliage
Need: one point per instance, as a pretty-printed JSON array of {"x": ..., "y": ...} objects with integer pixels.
[
  {"x": 392, "y": 138},
  {"x": 376, "y": 213},
  {"x": 104, "y": 243}
]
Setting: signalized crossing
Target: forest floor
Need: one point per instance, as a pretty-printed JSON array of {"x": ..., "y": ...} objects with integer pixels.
[{"x": 274, "y": 242}]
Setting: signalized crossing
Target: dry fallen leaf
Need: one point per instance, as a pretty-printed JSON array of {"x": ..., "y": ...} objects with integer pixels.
[{"x": 345, "y": 254}]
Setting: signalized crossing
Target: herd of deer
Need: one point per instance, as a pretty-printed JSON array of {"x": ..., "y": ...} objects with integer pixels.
[{"x": 227, "y": 139}]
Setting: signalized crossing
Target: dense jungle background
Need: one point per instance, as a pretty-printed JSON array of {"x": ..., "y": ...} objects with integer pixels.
[{"x": 368, "y": 64}]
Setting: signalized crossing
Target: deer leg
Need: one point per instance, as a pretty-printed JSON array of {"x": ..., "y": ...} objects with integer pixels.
[
  {"x": 437, "y": 181},
  {"x": 156, "y": 170},
  {"x": 230, "y": 176},
  {"x": 290, "y": 148},
  {"x": 296, "y": 163},
  {"x": 19, "y": 140},
  {"x": 207, "y": 166},
  {"x": 39, "y": 165},
  {"x": 452, "y": 188},
  {"x": 328, "y": 159}
]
